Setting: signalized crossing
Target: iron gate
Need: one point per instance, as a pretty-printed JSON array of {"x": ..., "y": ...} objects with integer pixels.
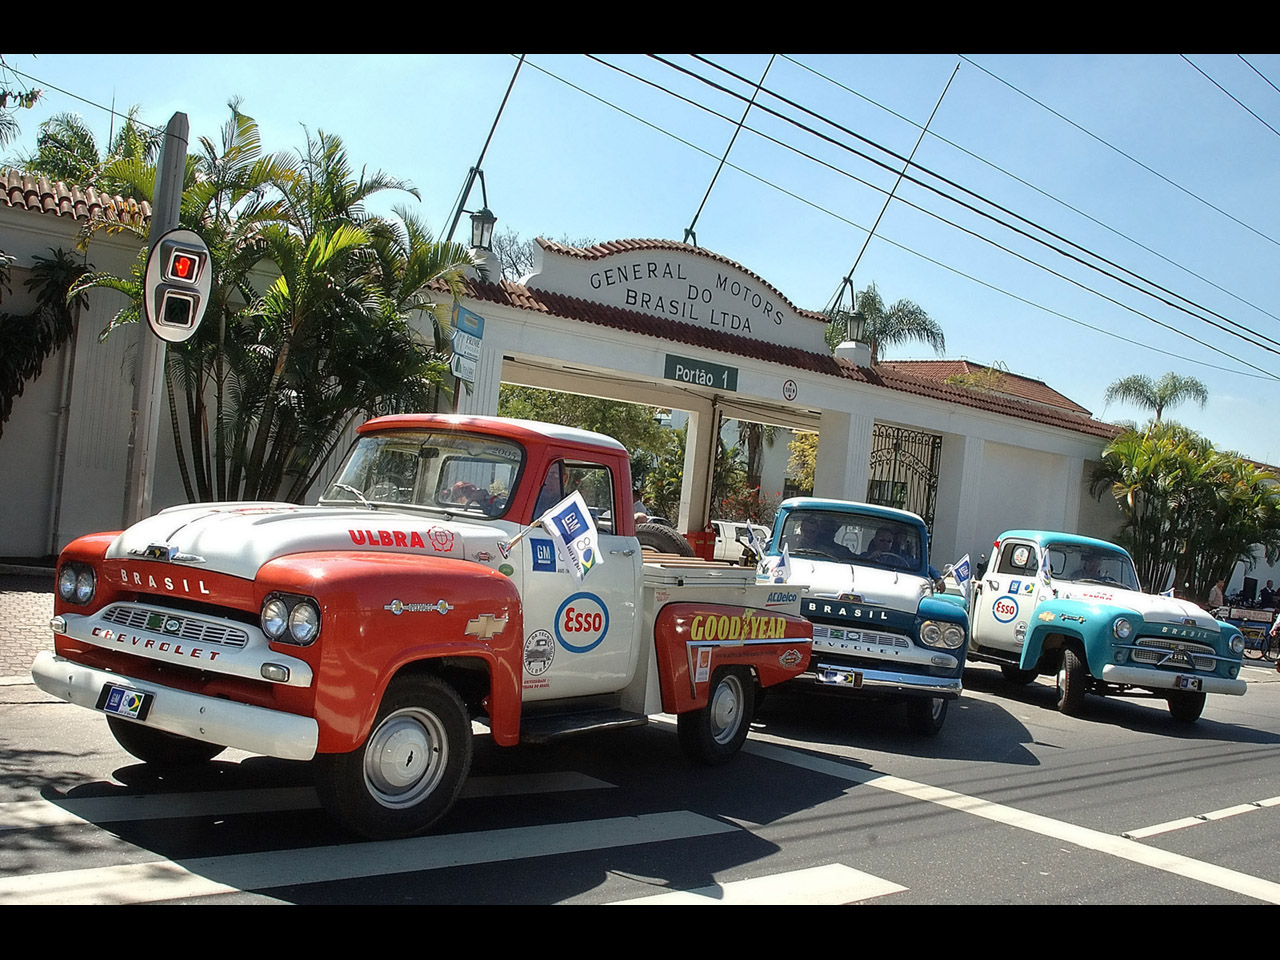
[{"x": 903, "y": 471}]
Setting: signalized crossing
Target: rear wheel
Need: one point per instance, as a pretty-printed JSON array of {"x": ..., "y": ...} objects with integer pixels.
[
  {"x": 1072, "y": 677},
  {"x": 657, "y": 538},
  {"x": 715, "y": 733},
  {"x": 410, "y": 769},
  {"x": 1185, "y": 706},
  {"x": 1016, "y": 675},
  {"x": 925, "y": 715},
  {"x": 159, "y": 748}
]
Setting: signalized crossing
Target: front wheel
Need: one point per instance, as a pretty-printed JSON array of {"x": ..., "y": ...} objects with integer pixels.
[
  {"x": 1072, "y": 676},
  {"x": 410, "y": 769},
  {"x": 159, "y": 748},
  {"x": 925, "y": 715},
  {"x": 715, "y": 733},
  {"x": 1185, "y": 706}
]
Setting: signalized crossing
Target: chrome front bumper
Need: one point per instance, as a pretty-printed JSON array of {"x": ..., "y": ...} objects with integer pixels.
[
  {"x": 883, "y": 682},
  {"x": 212, "y": 719},
  {"x": 1164, "y": 679}
]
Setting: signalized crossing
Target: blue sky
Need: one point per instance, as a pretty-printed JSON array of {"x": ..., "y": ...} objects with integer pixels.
[{"x": 564, "y": 162}]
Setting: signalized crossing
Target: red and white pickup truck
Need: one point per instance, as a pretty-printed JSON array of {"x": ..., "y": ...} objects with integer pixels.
[{"x": 367, "y": 632}]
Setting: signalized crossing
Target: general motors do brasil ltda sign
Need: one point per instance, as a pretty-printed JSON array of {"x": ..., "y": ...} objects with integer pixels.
[{"x": 689, "y": 286}]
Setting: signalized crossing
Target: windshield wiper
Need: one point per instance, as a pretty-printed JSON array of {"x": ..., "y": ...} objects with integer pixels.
[{"x": 359, "y": 495}]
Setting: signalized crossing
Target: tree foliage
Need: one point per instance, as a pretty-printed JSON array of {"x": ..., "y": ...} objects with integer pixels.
[
  {"x": 883, "y": 325},
  {"x": 804, "y": 459},
  {"x": 1191, "y": 512},
  {"x": 1154, "y": 395},
  {"x": 307, "y": 327},
  {"x": 28, "y": 340}
]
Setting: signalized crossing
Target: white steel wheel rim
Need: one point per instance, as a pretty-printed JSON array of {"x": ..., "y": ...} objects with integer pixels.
[
  {"x": 406, "y": 757},
  {"x": 935, "y": 707},
  {"x": 1062, "y": 676},
  {"x": 726, "y": 710}
]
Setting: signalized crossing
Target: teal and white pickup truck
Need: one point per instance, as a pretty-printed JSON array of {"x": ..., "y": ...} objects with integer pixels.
[
  {"x": 882, "y": 624},
  {"x": 1057, "y": 603}
]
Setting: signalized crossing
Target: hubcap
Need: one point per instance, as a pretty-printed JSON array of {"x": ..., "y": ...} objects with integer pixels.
[
  {"x": 405, "y": 758},
  {"x": 726, "y": 709}
]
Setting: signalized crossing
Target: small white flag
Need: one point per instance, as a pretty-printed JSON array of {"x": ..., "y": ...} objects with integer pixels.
[
  {"x": 1167, "y": 593},
  {"x": 781, "y": 572},
  {"x": 963, "y": 574},
  {"x": 570, "y": 525}
]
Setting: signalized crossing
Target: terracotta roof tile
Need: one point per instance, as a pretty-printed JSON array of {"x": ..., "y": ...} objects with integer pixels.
[
  {"x": 1014, "y": 384},
  {"x": 37, "y": 194},
  {"x": 882, "y": 375}
]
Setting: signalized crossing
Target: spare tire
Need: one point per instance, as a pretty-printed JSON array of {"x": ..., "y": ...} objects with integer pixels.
[{"x": 656, "y": 538}]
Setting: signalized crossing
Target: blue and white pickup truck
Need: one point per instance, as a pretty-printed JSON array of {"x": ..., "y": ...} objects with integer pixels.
[
  {"x": 882, "y": 625},
  {"x": 1056, "y": 603}
]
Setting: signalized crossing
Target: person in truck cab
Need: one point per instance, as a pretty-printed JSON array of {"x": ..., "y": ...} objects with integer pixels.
[
  {"x": 881, "y": 543},
  {"x": 1090, "y": 568},
  {"x": 816, "y": 535}
]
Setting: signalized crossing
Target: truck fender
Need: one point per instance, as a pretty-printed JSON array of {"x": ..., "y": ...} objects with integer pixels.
[
  {"x": 693, "y": 640},
  {"x": 383, "y": 613}
]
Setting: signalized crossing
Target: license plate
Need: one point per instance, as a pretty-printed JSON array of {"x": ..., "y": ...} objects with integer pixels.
[
  {"x": 124, "y": 702},
  {"x": 1187, "y": 683},
  {"x": 848, "y": 678}
]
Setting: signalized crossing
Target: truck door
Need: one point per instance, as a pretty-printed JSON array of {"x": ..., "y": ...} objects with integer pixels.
[
  {"x": 1005, "y": 597},
  {"x": 580, "y": 635}
]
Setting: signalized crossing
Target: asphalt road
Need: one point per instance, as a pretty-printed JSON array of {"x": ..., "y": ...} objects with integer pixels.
[{"x": 830, "y": 802}]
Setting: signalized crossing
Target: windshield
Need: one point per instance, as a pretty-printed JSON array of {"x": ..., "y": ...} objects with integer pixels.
[
  {"x": 850, "y": 538},
  {"x": 1083, "y": 563},
  {"x": 457, "y": 472}
]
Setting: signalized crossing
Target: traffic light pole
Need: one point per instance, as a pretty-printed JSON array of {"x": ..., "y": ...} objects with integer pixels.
[{"x": 148, "y": 382}]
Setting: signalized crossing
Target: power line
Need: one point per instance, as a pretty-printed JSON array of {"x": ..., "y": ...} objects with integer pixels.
[
  {"x": 1132, "y": 159},
  {"x": 1259, "y": 73},
  {"x": 1044, "y": 193},
  {"x": 1230, "y": 94},
  {"x": 92, "y": 103},
  {"x": 968, "y": 206},
  {"x": 1263, "y": 374}
]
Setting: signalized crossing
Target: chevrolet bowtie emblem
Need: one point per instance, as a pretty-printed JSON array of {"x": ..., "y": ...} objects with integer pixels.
[{"x": 486, "y": 626}]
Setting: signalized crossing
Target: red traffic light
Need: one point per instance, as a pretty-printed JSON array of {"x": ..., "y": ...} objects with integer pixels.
[{"x": 184, "y": 266}]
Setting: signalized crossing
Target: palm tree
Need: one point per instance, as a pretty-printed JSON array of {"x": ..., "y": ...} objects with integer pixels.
[
  {"x": 1169, "y": 391},
  {"x": 886, "y": 326}
]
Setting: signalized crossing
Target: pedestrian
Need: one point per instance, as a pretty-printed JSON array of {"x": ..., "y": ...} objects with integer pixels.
[{"x": 1217, "y": 594}]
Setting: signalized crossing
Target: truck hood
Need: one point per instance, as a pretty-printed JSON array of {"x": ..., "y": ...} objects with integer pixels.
[
  {"x": 1152, "y": 609},
  {"x": 895, "y": 590},
  {"x": 238, "y": 538}
]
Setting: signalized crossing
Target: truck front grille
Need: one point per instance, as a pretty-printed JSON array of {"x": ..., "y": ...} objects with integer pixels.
[
  {"x": 1177, "y": 655},
  {"x": 181, "y": 626},
  {"x": 833, "y": 637}
]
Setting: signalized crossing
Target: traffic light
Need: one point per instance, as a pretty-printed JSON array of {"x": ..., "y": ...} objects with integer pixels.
[{"x": 177, "y": 285}]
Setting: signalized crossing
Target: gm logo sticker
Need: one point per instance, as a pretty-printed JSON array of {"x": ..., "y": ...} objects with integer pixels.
[
  {"x": 582, "y": 622},
  {"x": 544, "y": 555},
  {"x": 1005, "y": 609}
]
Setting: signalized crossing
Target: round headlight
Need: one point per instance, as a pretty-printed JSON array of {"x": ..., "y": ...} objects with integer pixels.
[
  {"x": 931, "y": 633},
  {"x": 1237, "y": 644},
  {"x": 85, "y": 585},
  {"x": 952, "y": 636},
  {"x": 1122, "y": 628},
  {"x": 304, "y": 622},
  {"x": 275, "y": 618},
  {"x": 67, "y": 582}
]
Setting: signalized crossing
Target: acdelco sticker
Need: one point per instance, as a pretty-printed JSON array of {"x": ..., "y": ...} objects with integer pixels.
[
  {"x": 746, "y": 627},
  {"x": 781, "y": 596},
  {"x": 582, "y": 622}
]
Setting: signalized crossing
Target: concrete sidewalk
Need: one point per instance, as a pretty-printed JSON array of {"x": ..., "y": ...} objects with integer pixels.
[{"x": 26, "y": 604}]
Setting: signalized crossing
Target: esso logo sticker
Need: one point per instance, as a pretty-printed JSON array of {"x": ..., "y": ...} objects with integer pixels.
[
  {"x": 582, "y": 622},
  {"x": 1005, "y": 609}
]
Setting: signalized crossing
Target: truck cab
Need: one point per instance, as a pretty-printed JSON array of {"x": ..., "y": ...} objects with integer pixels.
[
  {"x": 883, "y": 626},
  {"x": 1071, "y": 606}
]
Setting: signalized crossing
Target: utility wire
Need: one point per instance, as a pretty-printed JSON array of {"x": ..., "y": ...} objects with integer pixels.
[
  {"x": 736, "y": 130},
  {"x": 92, "y": 103},
  {"x": 1129, "y": 157},
  {"x": 1263, "y": 374},
  {"x": 1259, "y": 73},
  {"x": 972, "y": 208},
  {"x": 1044, "y": 193},
  {"x": 1230, "y": 94}
]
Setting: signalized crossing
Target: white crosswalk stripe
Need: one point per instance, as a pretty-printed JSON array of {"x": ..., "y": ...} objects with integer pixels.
[{"x": 828, "y": 885}]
